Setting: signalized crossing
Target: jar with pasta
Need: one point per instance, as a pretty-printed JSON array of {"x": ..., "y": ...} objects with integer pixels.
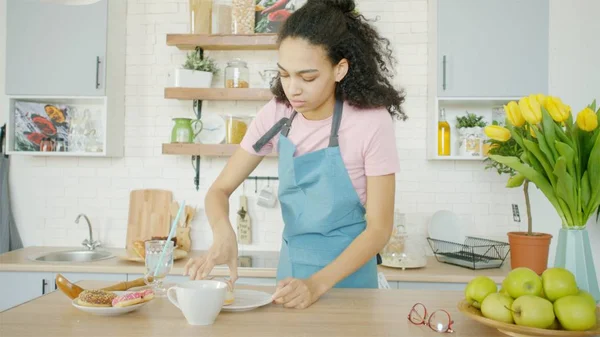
[
  {"x": 242, "y": 17},
  {"x": 237, "y": 74},
  {"x": 236, "y": 127}
]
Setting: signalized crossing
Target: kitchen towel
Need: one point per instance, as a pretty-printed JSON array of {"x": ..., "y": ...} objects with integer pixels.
[{"x": 9, "y": 235}]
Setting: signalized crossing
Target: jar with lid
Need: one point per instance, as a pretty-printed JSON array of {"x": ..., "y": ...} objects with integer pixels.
[
  {"x": 237, "y": 74},
  {"x": 403, "y": 250},
  {"x": 395, "y": 245},
  {"x": 242, "y": 17}
]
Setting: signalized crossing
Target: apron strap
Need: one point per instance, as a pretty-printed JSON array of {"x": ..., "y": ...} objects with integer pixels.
[
  {"x": 286, "y": 127},
  {"x": 335, "y": 124},
  {"x": 283, "y": 126}
]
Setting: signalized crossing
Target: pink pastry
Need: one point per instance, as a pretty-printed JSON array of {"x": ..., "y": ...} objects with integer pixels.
[
  {"x": 147, "y": 295},
  {"x": 127, "y": 299}
]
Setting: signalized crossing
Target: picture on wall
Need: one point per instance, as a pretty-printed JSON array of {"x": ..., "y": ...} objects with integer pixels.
[
  {"x": 271, "y": 14},
  {"x": 36, "y": 121}
]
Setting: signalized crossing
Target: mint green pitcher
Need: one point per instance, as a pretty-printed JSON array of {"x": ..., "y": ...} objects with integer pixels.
[{"x": 183, "y": 132}]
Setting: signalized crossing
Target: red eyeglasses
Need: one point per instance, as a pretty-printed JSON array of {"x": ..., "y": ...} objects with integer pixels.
[{"x": 438, "y": 321}]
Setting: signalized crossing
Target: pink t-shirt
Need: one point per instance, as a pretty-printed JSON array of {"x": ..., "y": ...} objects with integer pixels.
[{"x": 366, "y": 138}]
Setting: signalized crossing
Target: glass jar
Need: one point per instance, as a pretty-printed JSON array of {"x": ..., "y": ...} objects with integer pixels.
[
  {"x": 60, "y": 145},
  {"x": 237, "y": 74},
  {"x": 201, "y": 16},
  {"x": 221, "y": 17},
  {"x": 182, "y": 131},
  {"x": 236, "y": 127},
  {"x": 242, "y": 17}
]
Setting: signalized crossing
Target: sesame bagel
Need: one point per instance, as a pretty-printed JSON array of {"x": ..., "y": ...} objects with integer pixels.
[{"x": 96, "y": 298}]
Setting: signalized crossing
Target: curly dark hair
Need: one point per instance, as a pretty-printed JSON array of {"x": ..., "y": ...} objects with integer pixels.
[{"x": 344, "y": 33}]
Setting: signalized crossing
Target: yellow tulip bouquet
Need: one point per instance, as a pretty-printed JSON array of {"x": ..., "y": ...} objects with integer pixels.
[{"x": 560, "y": 156}]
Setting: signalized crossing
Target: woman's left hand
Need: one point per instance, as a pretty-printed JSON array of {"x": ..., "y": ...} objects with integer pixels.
[{"x": 297, "y": 293}]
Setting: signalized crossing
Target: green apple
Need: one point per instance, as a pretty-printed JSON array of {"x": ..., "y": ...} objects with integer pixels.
[
  {"x": 477, "y": 290},
  {"x": 575, "y": 313},
  {"x": 588, "y": 297},
  {"x": 522, "y": 281},
  {"x": 533, "y": 311},
  {"x": 497, "y": 306},
  {"x": 503, "y": 292},
  {"x": 558, "y": 282}
]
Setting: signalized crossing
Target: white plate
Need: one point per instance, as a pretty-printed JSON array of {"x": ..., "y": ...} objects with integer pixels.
[
  {"x": 445, "y": 225},
  {"x": 247, "y": 300},
  {"x": 213, "y": 129},
  {"x": 109, "y": 311}
]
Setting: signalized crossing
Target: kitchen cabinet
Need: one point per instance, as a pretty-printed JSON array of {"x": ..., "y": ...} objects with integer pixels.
[
  {"x": 55, "y": 49},
  {"x": 492, "y": 48},
  {"x": 71, "y": 57},
  {"x": 20, "y": 287}
]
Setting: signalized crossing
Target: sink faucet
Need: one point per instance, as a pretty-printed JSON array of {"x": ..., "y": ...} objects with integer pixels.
[{"x": 89, "y": 243}]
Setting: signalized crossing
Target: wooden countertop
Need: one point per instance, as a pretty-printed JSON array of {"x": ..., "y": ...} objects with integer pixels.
[
  {"x": 340, "y": 312},
  {"x": 264, "y": 266}
]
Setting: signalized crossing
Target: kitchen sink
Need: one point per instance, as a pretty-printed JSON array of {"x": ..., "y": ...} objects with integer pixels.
[{"x": 74, "y": 256}]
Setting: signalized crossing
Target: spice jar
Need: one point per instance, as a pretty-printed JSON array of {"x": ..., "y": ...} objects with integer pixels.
[
  {"x": 47, "y": 144},
  {"x": 236, "y": 128},
  {"x": 237, "y": 74},
  {"x": 242, "y": 17},
  {"x": 60, "y": 145}
]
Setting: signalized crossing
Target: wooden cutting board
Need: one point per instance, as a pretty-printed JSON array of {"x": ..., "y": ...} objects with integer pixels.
[{"x": 149, "y": 215}]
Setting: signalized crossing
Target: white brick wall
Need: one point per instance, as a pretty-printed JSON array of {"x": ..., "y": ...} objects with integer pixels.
[{"x": 48, "y": 193}]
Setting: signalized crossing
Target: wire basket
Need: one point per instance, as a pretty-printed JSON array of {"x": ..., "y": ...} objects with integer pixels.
[{"x": 474, "y": 253}]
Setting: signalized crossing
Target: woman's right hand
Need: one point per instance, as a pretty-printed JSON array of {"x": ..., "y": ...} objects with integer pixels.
[{"x": 224, "y": 250}]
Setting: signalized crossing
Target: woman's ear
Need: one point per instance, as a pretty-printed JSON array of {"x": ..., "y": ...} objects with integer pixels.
[{"x": 341, "y": 70}]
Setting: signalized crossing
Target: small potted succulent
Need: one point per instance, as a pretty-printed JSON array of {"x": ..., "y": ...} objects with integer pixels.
[
  {"x": 197, "y": 71},
  {"x": 470, "y": 134}
]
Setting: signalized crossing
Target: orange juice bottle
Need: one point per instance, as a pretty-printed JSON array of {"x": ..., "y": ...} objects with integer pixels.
[{"x": 443, "y": 135}]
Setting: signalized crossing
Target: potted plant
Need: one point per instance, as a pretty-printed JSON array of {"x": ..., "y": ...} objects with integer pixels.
[
  {"x": 470, "y": 134},
  {"x": 197, "y": 71},
  {"x": 527, "y": 249},
  {"x": 562, "y": 158}
]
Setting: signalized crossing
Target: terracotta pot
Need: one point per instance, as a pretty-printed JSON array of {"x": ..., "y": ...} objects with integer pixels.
[{"x": 529, "y": 251}]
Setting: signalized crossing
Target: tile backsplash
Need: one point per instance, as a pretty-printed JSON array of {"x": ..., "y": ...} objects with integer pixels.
[{"x": 48, "y": 193}]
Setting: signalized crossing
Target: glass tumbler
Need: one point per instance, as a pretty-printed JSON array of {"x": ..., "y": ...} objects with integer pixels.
[{"x": 158, "y": 268}]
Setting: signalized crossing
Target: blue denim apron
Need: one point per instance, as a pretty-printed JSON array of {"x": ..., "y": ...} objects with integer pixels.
[{"x": 321, "y": 210}]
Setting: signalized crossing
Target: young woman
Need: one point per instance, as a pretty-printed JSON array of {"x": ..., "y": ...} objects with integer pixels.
[{"x": 331, "y": 122}]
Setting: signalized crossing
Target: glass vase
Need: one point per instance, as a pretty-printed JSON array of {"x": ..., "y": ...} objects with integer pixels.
[{"x": 574, "y": 253}]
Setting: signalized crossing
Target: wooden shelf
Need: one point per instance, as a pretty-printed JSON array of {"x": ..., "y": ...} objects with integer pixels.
[
  {"x": 209, "y": 150},
  {"x": 223, "y": 42},
  {"x": 219, "y": 94},
  {"x": 458, "y": 158}
]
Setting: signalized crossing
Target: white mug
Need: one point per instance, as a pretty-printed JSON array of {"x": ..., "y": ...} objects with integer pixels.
[
  {"x": 266, "y": 198},
  {"x": 200, "y": 301}
]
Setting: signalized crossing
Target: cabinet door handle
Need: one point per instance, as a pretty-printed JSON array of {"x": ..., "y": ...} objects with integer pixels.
[
  {"x": 97, "y": 72},
  {"x": 444, "y": 72},
  {"x": 44, "y": 284}
]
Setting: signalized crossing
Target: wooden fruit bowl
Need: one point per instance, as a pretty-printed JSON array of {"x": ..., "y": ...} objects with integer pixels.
[{"x": 522, "y": 331}]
